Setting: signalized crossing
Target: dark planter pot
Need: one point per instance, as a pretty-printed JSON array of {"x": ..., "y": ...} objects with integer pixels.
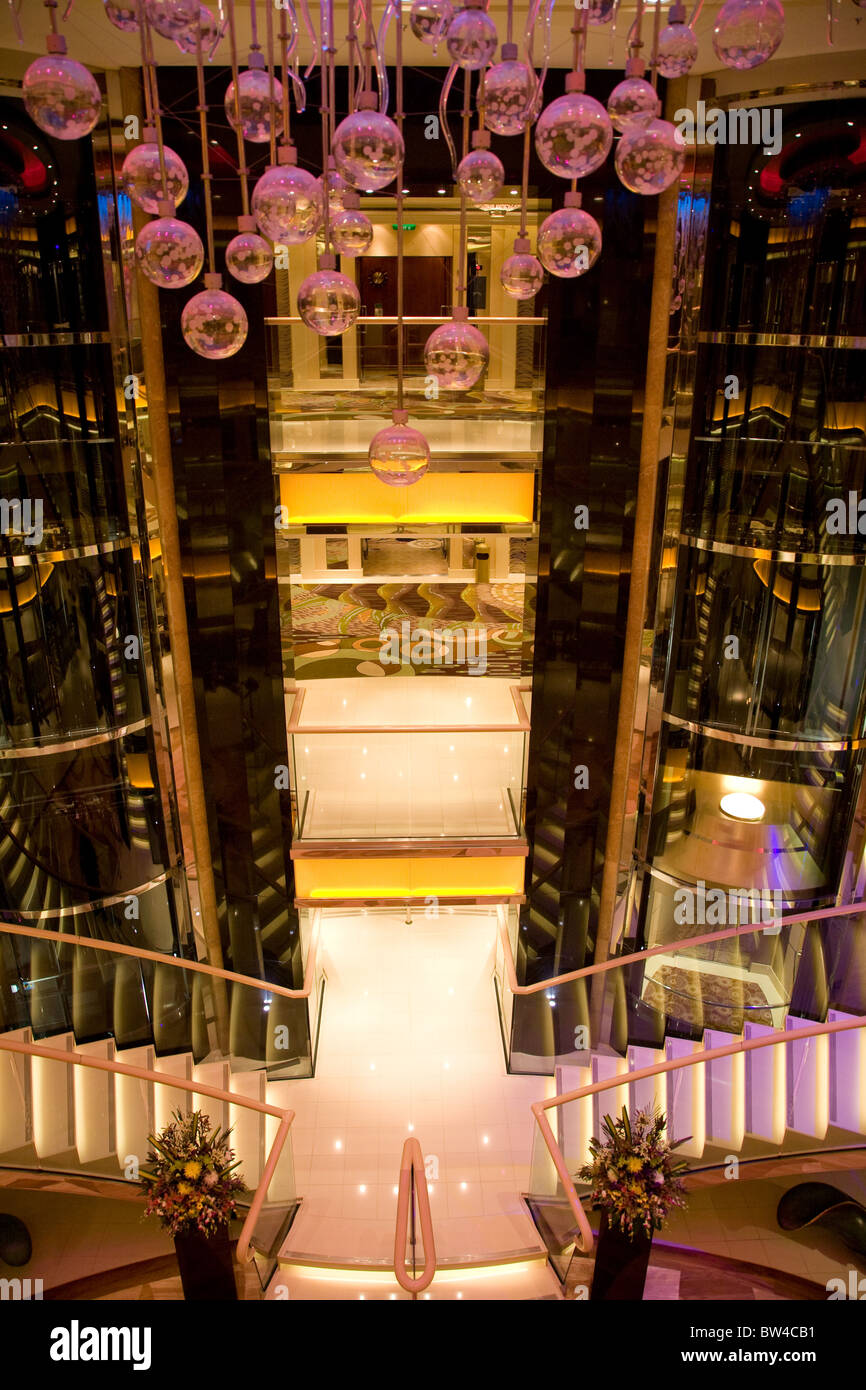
[
  {"x": 206, "y": 1268},
  {"x": 620, "y": 1264}
]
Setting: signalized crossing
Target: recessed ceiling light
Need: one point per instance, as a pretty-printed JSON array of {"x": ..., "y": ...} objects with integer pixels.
[
  {"x": 514, "y": 192},
  {"x": 742, "y": 806},
  {"x": 440, "y": 190}
]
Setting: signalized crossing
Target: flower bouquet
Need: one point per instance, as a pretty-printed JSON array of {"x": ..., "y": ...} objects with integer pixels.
[
  {"x": 191, "y": 1184},
  {"x": 635, "y": 1180}
]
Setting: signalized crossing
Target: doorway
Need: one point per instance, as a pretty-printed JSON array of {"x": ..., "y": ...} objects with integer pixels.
[{"x": 426, "y": 293}]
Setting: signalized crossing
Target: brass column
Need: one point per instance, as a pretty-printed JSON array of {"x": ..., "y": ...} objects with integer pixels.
[{"x": 639, "y": 580}]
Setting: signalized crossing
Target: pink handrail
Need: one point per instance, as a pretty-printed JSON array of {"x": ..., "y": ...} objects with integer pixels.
[
  {"x": 412, "y": 1161},
  {"x": 670, "y": 1064},
  {"x": 285, "y": 1117},
  {"x": 161, "y": 958},
  {"x": 669, "y": 948}
]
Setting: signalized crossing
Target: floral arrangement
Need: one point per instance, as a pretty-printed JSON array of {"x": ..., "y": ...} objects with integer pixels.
[
  {"x": 634, "y": 1179},
  {"x": 190, "y": 1182}
]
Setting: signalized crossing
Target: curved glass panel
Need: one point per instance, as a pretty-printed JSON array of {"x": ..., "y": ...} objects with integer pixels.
[
  {"x": 79, "y": 824},
  {"x": 71, "y": 647},
  {"x": 793, "y": 847},
  {"x": 764, "y": 646}
]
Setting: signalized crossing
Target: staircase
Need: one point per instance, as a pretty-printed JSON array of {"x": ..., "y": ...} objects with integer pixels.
[
  {"x": 62, "y": 1117},
  {"x": 777, "y": 1098}
]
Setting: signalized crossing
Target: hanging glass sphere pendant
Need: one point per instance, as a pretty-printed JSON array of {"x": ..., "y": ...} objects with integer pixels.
[
  {"x": 328, "y": 301},
  {"x": 509, "y": 90},
  {"x": 141, "y": 174},
  {"x": 569, "y": 241},
  {"x": 60, "y": 95},
  {"x": 249, "y": 257},
  {"x": 480, "y": 174},
  {"x": 351, "y": 232},
  {"x": 287, "y": 201},
  {"x": 210, "y": 30},
  {"x": 429, "y": 20},
  {"x": 398, "y": 454},
  {"x": 634, "y": 99},
  {"x": 456, "y": 353},
  {"x": 748, "y": 32},
  {"x": 650, "y": 157},
  {"x": 522, "y": 274},
  {"x": 367, "y": 147},
  {"x": 213, "y": 323},
  {"x": 123, "y": 17},
  {"x": 678, "y": 47},
  {"x": 171, "y": 18},
  {"x": 169, "y": 252},
  {"x": 573, "y": 135},
  {"x": 471, "y": 38},
  {"x": 260, "y": 97}
]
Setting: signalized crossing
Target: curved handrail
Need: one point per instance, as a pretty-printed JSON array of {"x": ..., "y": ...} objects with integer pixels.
[
  {"x": 411, "y": 1162},
  {"x": 285, "y": 1117},
  {"x": 669, "y": 948},
  {"x": 670, "y": 1064},
  {"x": 161, "y": 958}
]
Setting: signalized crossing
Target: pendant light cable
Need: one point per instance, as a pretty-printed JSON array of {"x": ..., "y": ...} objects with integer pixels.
[
  {"x": 271, "y": 79},
  {"x": 467, "y": 116},
  {"x": 205, "y": 153},
  {"x": 524, "y": 187},
  {"x": 242, "y": 157},
  {"x": 398, "y": 117},
  {"x": 151, "y": 92}
]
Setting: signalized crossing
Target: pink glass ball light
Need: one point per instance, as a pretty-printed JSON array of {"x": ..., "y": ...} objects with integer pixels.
[
  {"x": 480, "y": 175},
  {"x": 123, "y": 17},
  {"x": 569, "y": 240},
  {"x": 169, "y": 252},
  {"x": 351, "y": 233},
  {"x": 260, "y": 97},
  {"x": 429, "y": 20},
  {"x": 367, "y": 149},
  {"x": 509, "y": 92},
  {"x": 600, "y": 12},
  {"x": 573, "y": 135},
  {"x": 521, "y": 274},
  {"x": 287, "y": 204},
  {"x": 249, "y": 257},
  {"x": 456, "y": 353},
  {"x": 337, "y": 188},
  {"x": 471, "y": 39},
  {"x": 678, "y": 47},
  {"x": 213, "y": 323},
  {"x": 171, "y": 18},
  {"x": 141, "y": 175},
  {"x": 631, "y": 101},
  {"x": 328, "y": 301},
  {"x": 649, "y": 157},
  {"x": 748, "y": 32},
  {"x": 187, "y": 41},
  {"x": 60, "y": 95},
  {"x": 398, "y": 454}
]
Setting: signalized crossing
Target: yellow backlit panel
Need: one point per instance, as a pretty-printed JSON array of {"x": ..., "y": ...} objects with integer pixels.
[
  {"x": 414, "y": 878},
  {"x": 316, "y": 498}
]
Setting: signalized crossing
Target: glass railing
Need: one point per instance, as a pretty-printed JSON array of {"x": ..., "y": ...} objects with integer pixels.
[
  {"x": 90, "y": 1115},
  {"x": 412, "y": 785},
  {"x": 55, "y": 982}
]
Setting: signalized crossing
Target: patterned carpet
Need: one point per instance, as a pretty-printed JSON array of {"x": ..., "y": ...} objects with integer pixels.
[{"x": 336, "y": 630}]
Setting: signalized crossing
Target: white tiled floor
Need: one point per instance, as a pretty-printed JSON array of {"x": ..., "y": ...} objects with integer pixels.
[
  {"x": 409, "y": 784},
  {"x": 410, "y": 1044}
]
